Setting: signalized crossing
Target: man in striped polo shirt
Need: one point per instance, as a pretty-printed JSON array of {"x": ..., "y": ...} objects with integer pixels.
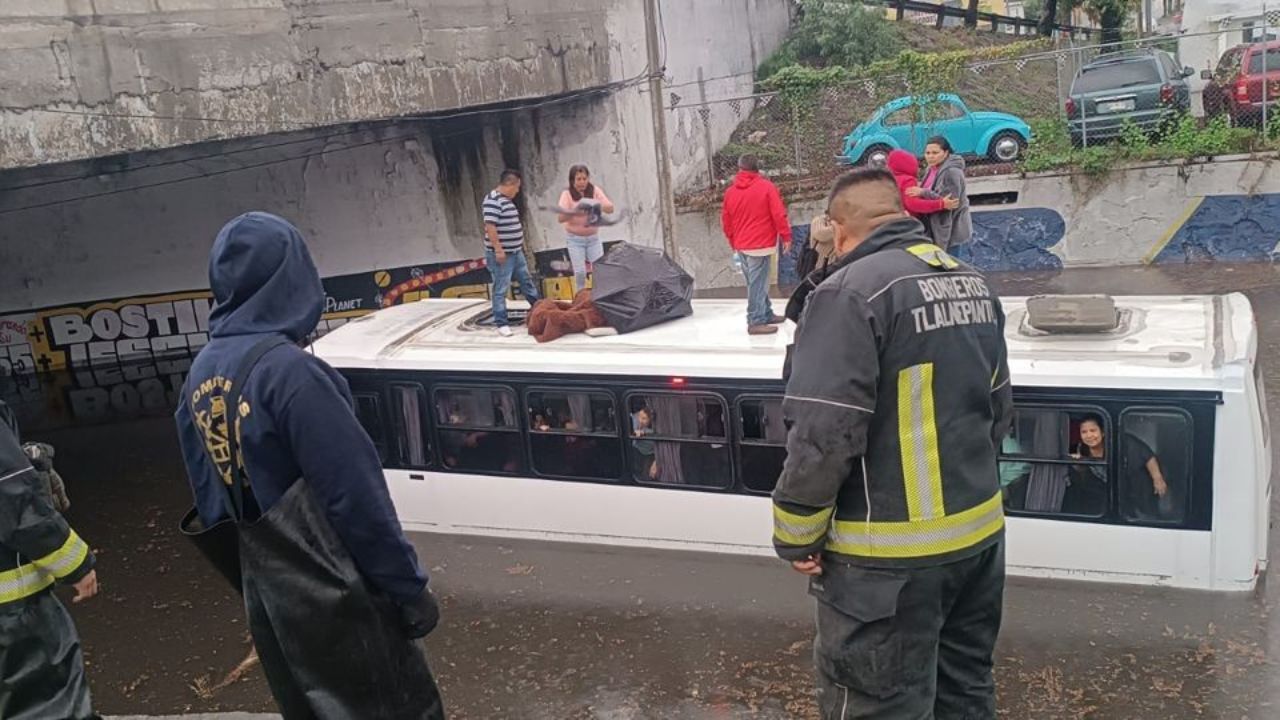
[{"x": 504, "y": 247}]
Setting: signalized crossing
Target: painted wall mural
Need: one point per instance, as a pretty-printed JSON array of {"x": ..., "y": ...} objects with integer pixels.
[
  {"x": 1002, "y": 240},
  {"x": 1222, "y": 228},
  {"x": 128, "y": 357}
]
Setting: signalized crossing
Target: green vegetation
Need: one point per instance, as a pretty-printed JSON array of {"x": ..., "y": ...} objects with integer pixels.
[
  {"x": 1051, "y": 146},
  {"x": 832, "y": 32}
]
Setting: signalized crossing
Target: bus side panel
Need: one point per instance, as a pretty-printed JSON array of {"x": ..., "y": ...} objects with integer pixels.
[
  {"x": 582, "y": 512},
  {"x": 1110, "y": 553},
  {"x": 1238, "y": 489}
]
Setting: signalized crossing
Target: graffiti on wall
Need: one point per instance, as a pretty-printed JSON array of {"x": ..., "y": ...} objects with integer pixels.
[
  {"x": 1018, "y": 239},
  {"x": 1014, "y": 240},
  {"x": 1222, "y": 228},
  {"x": 128, "y": 357}
]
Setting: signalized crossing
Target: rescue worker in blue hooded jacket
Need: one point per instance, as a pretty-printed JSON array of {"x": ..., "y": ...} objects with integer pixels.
[
  {"x": 897, "y": 399},
  {"x": 297, "y": 422},
  {"x": 41, "y": 665}
]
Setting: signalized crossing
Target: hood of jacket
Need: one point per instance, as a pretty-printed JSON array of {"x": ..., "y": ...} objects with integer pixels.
[
  {"x": 901, "y": 162},
  {"x": 263, "y": 279},
  {"x": 745, "y": 179},
  {"x": 953, "y": 161}
]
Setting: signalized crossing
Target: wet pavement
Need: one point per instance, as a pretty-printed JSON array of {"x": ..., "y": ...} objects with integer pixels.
[{"x": 541, "y": 630}]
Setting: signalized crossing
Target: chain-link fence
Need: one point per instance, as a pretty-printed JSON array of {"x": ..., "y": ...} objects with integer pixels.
[{"x": 1057, "y": 102}]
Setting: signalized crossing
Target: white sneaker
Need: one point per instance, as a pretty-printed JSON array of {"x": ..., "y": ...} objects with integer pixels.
[{"x": 504, "y": 331}]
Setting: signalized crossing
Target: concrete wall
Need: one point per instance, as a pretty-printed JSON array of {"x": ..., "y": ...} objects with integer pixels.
[
  {"x": 727, "y": 40},
  {"x": 1221, "y": 211},
  {"x": 83, "y": 78},
  {"x": 373, "y": 196}
]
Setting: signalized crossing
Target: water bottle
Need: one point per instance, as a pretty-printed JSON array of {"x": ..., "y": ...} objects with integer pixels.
[{"x": 737, "y": 262}]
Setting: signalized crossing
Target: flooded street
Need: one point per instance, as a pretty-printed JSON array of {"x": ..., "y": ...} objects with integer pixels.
[{"x": 539, "y": 630}]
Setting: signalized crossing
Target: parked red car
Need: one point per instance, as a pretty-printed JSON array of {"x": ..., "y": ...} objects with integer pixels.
[{"x": 1236, "y": 86}]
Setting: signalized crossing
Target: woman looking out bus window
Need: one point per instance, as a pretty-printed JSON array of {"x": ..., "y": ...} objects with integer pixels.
[
  {"x": 1145, "y": 487},
  {"x": 1087, "y": 492}
]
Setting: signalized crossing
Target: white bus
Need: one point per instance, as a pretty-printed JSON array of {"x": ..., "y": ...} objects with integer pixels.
[{"x": 672, "y": 437}]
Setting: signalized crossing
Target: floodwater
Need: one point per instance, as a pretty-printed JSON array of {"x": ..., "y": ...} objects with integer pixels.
[{"x": 538, "y": 630}]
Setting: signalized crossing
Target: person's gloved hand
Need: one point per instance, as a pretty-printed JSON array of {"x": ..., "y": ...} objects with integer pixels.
[{"x": 419, "y": 617}]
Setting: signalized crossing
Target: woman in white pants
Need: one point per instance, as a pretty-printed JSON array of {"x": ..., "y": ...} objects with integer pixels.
[{"x": 582, "y": 204}]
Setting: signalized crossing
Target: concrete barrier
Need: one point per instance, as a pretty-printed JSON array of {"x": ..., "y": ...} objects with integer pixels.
[{"x": 1224, "y": 210}]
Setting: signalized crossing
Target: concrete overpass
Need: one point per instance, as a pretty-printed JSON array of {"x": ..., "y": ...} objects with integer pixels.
[
  {"x": 88, "y": 78},
  {"x": 131, "y": 130}
]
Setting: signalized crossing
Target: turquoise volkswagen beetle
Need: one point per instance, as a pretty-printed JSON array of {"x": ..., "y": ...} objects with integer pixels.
[{"x": 908, "y": 122}]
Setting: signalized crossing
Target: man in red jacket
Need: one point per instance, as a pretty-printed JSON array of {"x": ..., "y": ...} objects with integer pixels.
[{"x": 753, "y": 218}]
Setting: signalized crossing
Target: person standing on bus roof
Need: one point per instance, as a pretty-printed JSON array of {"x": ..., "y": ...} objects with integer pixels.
[
  {"x": 582, "y": 201},
  {"x": 504, "y": 247},
  {"x": 898, "y": 524},
  {"x": 753, "y": 218},
  {"x": 41, "y": 665},
  {"x": 336, "y": 599}
]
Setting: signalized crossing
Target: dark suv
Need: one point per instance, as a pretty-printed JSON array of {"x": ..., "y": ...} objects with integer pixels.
[
  {"x": 1236, "y": 86},
  {"x": 1144, "y": 87}
]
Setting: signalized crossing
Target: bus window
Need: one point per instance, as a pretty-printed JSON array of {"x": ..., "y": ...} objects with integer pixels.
[
  {"x": 409, "y": 418},
  {"x": 574, "y": 435},
  {"x": 478, "y": 429},
  {"x": 1155, "y": 465},
  {"x": 370, "y": 416},
  {"x": 679, "y": 440},
  {"x": 1054, "y": 462},
  {"x": 762, "y": 445}
]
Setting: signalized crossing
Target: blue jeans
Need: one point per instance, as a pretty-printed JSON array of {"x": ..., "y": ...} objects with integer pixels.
[
  {"x": 516, "y": 266},
  {"x": 756, "y": 270},
  {"x": 583, "y": 250}
]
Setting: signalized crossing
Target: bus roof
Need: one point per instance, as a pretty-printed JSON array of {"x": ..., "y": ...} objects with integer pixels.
[{"x": 1164, "y": 342}]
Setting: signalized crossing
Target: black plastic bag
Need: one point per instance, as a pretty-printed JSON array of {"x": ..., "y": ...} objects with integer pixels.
[{"x": 635, "y": 287}]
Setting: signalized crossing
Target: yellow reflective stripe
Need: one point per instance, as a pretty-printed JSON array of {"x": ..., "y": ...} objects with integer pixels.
[
  {"x": 63, "y": 561},
  {"x": 934, "y": 255},
  {"x": 792, "y": 529},
  {"x": 922, "y": 538},
  {"x": 918, "y": 443},
  {"x": 23, "y": 582}
]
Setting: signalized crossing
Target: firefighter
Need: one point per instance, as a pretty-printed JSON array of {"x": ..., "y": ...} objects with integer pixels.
[
  {"x": 41, "y": 667},
  {"x": 897, "y": 399}
]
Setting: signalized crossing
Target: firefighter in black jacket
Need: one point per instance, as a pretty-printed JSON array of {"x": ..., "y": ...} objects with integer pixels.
[
  {"x": 897, "y": 398},
  {"x": 41, "y": 668}
]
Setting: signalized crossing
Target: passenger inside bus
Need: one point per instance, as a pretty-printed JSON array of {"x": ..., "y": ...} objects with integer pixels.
[
  {"x": 1087, "y": 490},
  {"x": 689, "y": 445},
  {"x": 1052, "y": 486},
  {"x": 573, "y": 435},
  {"x": 486, "y": 438},
  {"x": 643, "y": 452},
  {"x": 1154, "y": 466},
  {"x": 1151, "y": 489}
]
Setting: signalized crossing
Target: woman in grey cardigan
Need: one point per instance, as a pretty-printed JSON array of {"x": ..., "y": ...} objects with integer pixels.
[{"x": 945, "y": 177}]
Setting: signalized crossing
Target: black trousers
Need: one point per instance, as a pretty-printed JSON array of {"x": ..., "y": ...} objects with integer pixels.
[
  {"x": 909, "y": 644},
  {"x": 41, "y": 666}
]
